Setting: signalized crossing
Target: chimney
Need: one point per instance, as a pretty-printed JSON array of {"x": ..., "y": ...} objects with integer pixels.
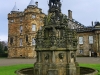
[
  {"x": 36, "y": 4},
  {"x": 92, "y": 23},
  {"x": 70, "y": 14}
]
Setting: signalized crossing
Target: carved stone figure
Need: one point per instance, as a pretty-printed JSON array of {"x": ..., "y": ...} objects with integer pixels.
[
  {"x": 61, "y": 55},
  {"x": 47, "y": 56}
]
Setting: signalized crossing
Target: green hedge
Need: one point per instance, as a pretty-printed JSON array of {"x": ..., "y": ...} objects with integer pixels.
[{"x": 3, "y": 54}]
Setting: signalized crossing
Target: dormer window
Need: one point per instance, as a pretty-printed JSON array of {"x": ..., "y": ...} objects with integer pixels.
[{"x": 33, "y": 16}]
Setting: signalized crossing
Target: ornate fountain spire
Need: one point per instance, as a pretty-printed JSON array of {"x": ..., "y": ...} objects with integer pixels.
[
  {"x": 54, "y": 5},
  {"x": 54, "y": 13}
]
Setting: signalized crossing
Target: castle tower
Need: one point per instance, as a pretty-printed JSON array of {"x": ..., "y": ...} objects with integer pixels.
[
  {"x": 56, "y": 45},
  {"x": 22, "y": 28}
]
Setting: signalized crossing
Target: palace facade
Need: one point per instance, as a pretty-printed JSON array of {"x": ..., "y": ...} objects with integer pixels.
[{"x": 22, "y": 28}]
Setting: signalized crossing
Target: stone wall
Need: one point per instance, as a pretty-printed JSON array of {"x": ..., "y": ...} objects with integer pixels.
[{"x": 20, "y": 33}]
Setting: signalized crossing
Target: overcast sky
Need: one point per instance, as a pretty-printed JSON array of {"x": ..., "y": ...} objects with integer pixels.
[{"x": 84, "y": 11}]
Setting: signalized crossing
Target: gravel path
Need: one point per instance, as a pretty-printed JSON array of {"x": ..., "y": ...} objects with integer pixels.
[{"x": 7, "y": 62}]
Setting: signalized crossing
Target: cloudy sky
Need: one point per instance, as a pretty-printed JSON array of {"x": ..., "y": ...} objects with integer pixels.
[{"x": 84, "y": 11}]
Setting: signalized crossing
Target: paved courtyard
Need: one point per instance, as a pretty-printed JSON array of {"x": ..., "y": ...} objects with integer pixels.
[{"x": 7, "y": 62}]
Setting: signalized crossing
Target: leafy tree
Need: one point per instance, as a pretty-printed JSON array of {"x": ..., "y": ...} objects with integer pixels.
[
  {"x": 1, "y": 48},
  {"x": 5, "y": 48}
]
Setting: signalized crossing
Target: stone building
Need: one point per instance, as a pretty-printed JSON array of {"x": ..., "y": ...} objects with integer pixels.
[
  {"x": 88, "y": 37},
  {"x": 89, "y": 40},
  {"x": 22, "y": 28}
]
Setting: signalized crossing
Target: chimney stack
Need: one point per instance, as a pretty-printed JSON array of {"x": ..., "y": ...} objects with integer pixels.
[
  {"x": 92, "y": 23},
  {"x": 70, "y": 14}
]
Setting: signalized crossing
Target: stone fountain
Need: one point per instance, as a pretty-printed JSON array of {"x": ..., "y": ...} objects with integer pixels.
[{"x": 56, "y": 46}]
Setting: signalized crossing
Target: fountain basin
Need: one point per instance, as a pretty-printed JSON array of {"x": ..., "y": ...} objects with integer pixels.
[{"x": 83, "y": 71}]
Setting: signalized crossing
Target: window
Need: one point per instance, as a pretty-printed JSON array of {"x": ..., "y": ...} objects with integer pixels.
[
  {"x": 20, "y": 19},
  {"x": 26, "y": 38},
  {"x": 33, "y": 41},
  {"x": 21, "y": 28},
  {"x": 11, "y": 40},
  {"x": 21, "y": 42},
  {"x": 90, "y": 39},
  {"x": 41, "y": 20},
  {"x": 40, "y": 27},
  {"x": 81, "y": 51},
  {"x": 33, "y": 27},
  {"x": 33, "y": 16},
  {"x": 80, "y": 40},
  {"x": 12, "y": 20},
  {"x": 73, "y": 27}
]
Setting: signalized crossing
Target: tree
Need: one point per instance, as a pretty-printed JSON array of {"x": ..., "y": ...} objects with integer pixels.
[
  {"x": 5, "y": 48},
  {"x": 1, "y": 48}
]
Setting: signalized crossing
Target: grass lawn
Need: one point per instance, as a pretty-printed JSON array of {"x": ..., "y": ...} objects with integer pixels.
[
  {"x": 9, "y": 70},
  {"x": 94, "y": 66}
]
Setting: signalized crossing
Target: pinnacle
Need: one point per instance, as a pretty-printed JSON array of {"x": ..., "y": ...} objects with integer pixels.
[
  {"x": 15, "y": 8},
  {"x": 32, "y": 2}
]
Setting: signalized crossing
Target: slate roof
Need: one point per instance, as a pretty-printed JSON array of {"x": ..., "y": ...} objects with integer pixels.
[
  {"x": 32, "y": 2},
  {"x": 15, "y": 8}
]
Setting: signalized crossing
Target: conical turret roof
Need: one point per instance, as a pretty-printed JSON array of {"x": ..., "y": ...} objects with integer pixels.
[
  {"x": 15, "y": 8},
  {"x": 32, "y": 2}
]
